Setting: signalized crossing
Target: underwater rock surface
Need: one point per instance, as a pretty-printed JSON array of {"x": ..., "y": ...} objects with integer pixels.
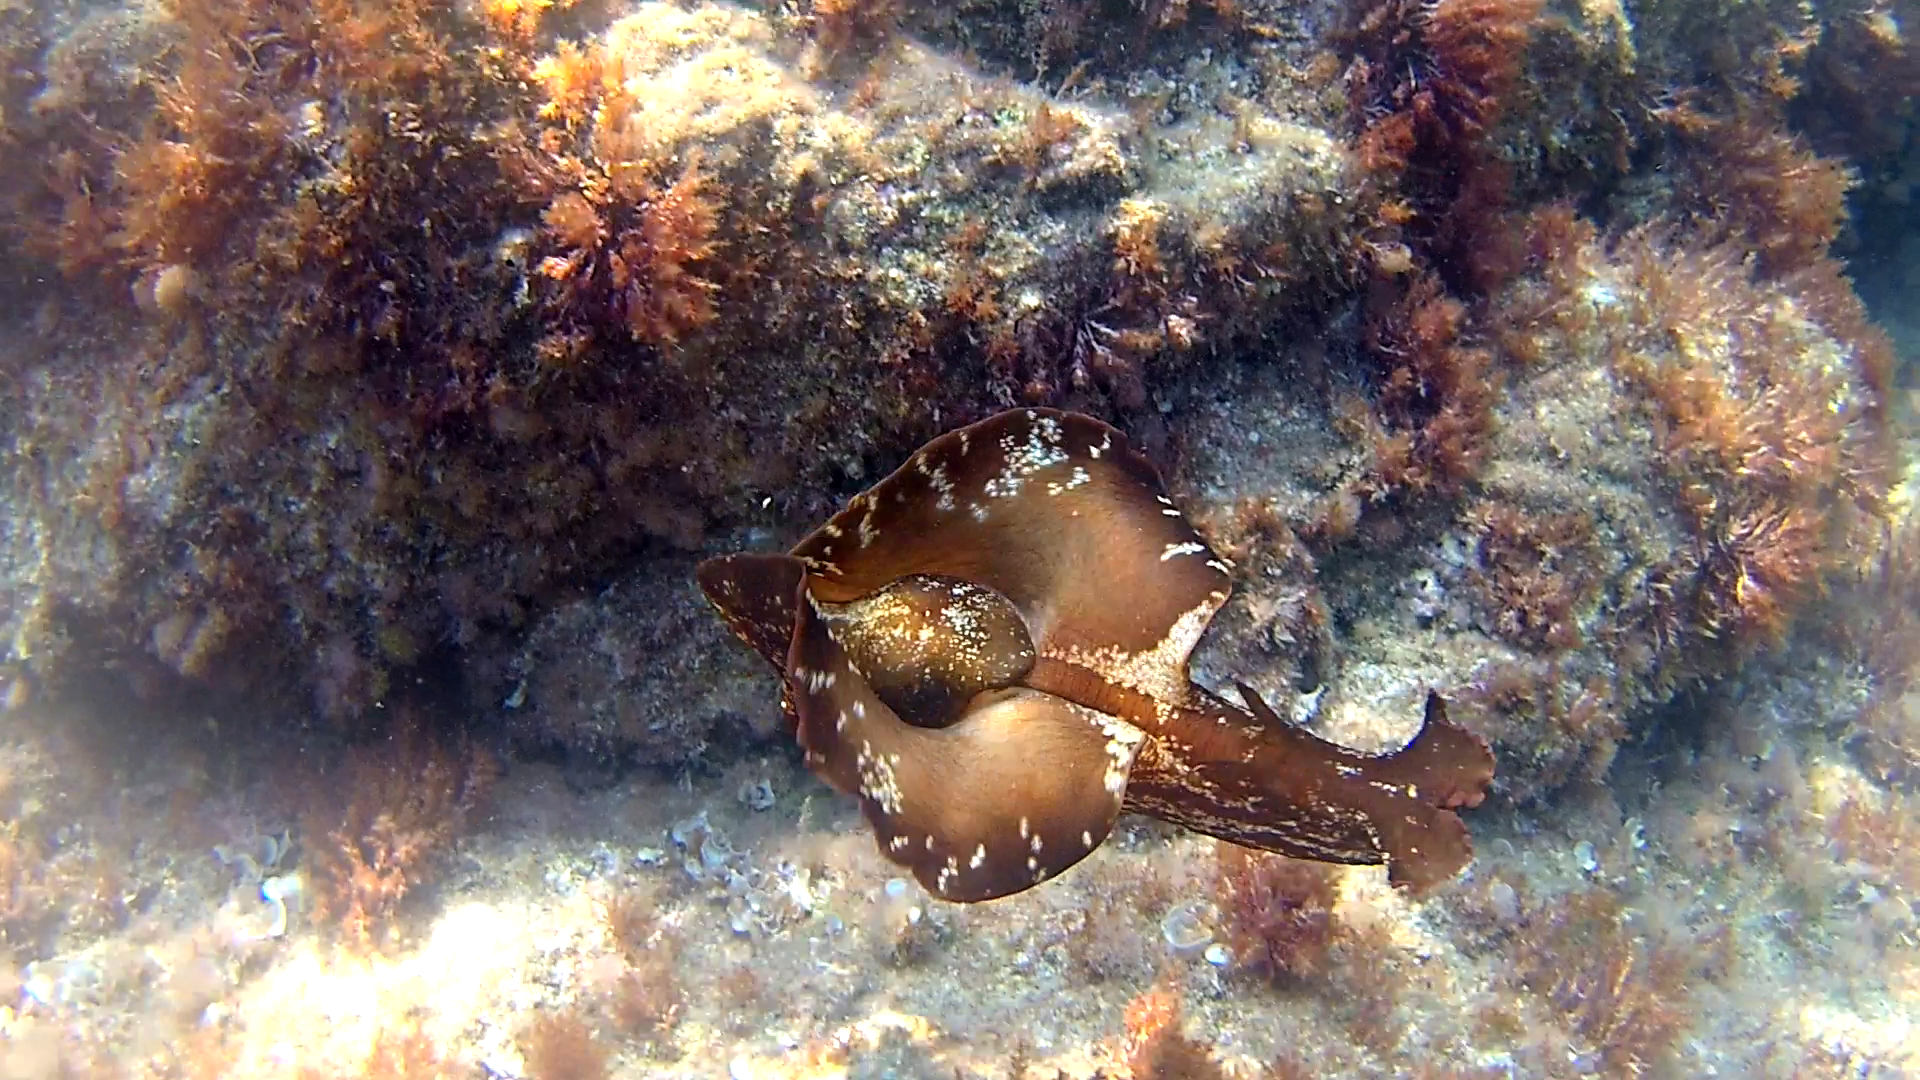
[
  {"x": 421, "y": 335},
  {"x": 636, "y": 673},
  {"x": 421, "y": 338},
  {"x": 376, "y": 372}
]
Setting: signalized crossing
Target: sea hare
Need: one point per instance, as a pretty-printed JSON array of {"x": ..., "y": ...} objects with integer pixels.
[{"x": 989, "y": 648}]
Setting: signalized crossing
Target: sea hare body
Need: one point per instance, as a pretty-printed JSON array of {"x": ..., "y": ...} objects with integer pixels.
[{"x": 989, "y": 649}]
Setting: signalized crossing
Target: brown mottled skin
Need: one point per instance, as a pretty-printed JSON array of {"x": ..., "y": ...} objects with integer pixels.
[
  {"x": 928, "y": 645},
  {"x": 1011, "y": 612}
]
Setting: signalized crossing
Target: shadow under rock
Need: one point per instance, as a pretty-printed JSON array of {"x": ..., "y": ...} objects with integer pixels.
[{"x": 637, "y": 674}]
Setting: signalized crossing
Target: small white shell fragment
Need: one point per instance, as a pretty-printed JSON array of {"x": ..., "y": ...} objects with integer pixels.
[
  {"x": 757, "y": 795},
  {"x": 278, "y": 891},
  {"x": 1504, "y": 902},
  {"x": 715, "y": 851},
  {"x": 1185, "y": 926},
  {"x": 685, "y": 831},
  {"x": 38, "y": 985},
  {"x": 799, "y": 891}
]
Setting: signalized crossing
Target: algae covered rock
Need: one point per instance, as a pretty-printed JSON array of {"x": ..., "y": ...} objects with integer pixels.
[
  {"x": 637, "y": 673},
  {"x": 423, "y": 335}
]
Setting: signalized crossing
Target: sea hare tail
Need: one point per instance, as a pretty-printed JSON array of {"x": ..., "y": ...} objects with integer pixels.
[
  {"x": 1300, "y": 795},
  {"x": 1446, "y": 764},
  {"x": 1442, "y": 768}
]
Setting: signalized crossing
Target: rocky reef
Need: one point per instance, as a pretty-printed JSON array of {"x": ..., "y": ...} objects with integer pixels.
[
  {"x": 396, "y": 321},
  {"x": 344, "y": 358},
  {"x": 375, "y": 373},
  {"x": 353, "y": 338}
]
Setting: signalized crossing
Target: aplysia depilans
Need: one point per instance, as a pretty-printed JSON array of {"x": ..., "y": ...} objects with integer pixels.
[{"x": 989, "y": 648}]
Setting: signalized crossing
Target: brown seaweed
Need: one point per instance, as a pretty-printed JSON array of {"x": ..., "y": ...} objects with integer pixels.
[{"x": 989, "y": 648}]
